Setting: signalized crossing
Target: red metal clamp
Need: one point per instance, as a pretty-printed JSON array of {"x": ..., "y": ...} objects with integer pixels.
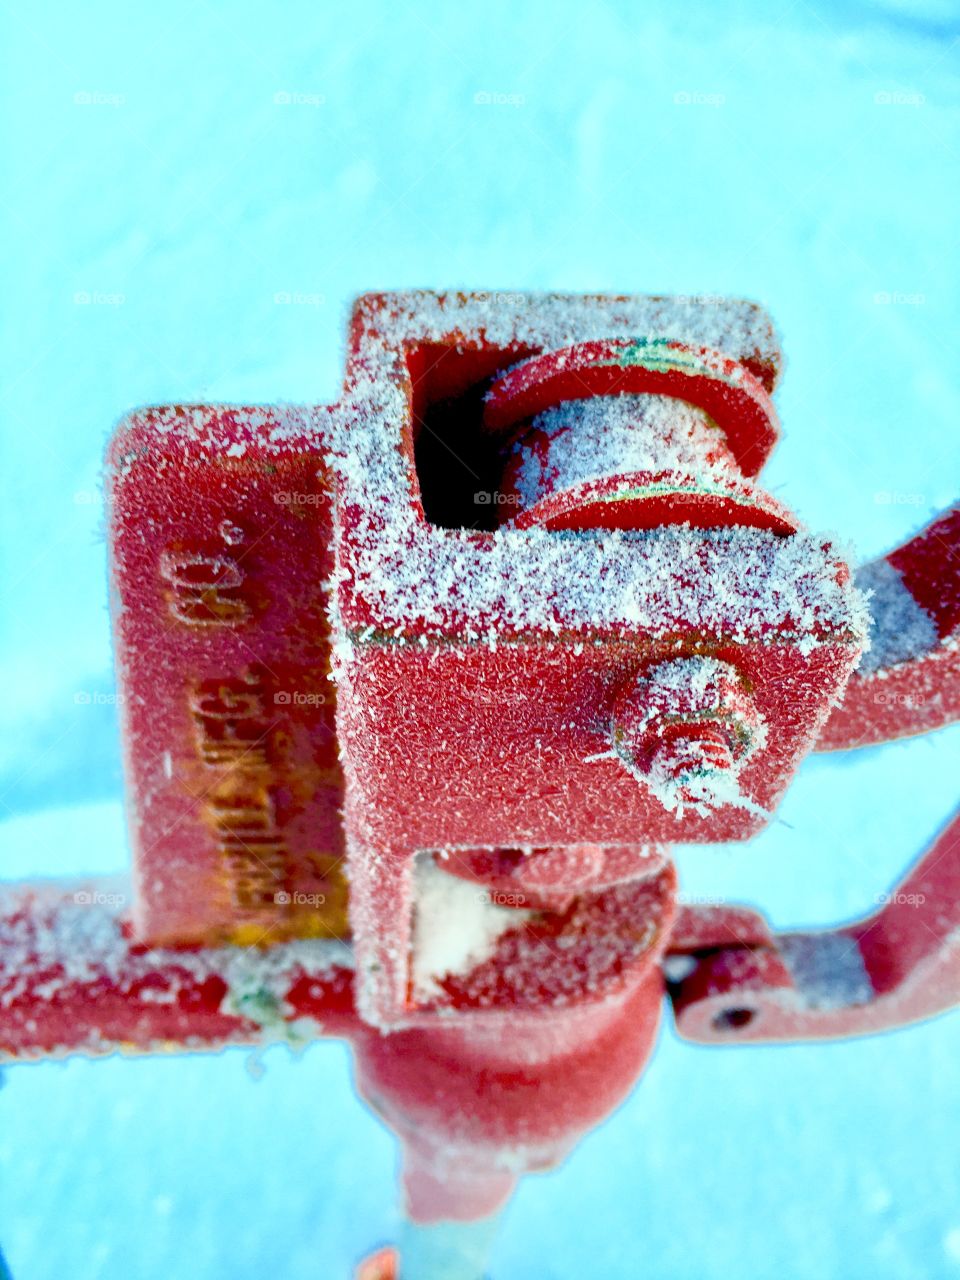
[{"x": 420, "y": 689}]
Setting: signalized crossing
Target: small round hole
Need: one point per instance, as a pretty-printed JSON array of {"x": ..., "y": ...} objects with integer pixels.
[{"x": 733, "y": 1019}]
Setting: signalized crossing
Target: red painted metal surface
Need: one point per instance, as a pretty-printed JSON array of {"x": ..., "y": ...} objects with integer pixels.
[
  {"x": 472, "y": 713},
  {"x": 674, "y": 465},
  {"x": 917, "y": 688},
  {"x": 899, "y": 964},
  {"x": 75, "y": 979},
  {"x": 532, "y": 1060},
  {"x": 220, "y": 540},
  {"x": 538, "y": 701}
]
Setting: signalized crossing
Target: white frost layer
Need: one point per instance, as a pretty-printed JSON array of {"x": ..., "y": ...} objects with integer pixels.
[
  {"x": 551, "y": 320},
  {"x": 728, "y": 582},
  {"x": 900, "y": 629},
  {"x": 702, "y": 792},
  {"x": 456, "y": 926},
  {"x": 81, "y": 940},
  {"x": 612, "y": 435},
  {"x": 698, "y": 682},
  {"x": 828, "y": 969}
]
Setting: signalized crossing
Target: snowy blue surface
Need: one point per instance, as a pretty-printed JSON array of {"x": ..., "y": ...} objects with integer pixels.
[{"x": 169, "y": 172}]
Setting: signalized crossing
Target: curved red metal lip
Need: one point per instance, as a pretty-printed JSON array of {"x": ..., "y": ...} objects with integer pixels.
[{"x": 638, "y": 501}]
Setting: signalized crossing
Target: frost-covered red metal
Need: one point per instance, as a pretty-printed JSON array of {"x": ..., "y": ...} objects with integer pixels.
[
  {"x": 481, "y": 642},
  {"x": 479, "y": 671}
]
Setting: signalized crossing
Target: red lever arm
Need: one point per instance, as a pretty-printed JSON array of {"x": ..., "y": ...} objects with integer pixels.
[
  {"x": 74, "y": 979},
  {"x": 909, "y": 680},
  {"x": 731, "y": 980}
]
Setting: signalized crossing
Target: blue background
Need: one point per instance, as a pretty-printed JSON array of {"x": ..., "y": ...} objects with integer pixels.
[{"x": 169, "y": 171}]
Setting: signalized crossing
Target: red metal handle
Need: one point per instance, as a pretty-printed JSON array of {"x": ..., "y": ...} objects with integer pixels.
[
  {"x": 73, "y": 978},
  {"x": 732, "y": 980},
  {"x": 909, "y": 681}
]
